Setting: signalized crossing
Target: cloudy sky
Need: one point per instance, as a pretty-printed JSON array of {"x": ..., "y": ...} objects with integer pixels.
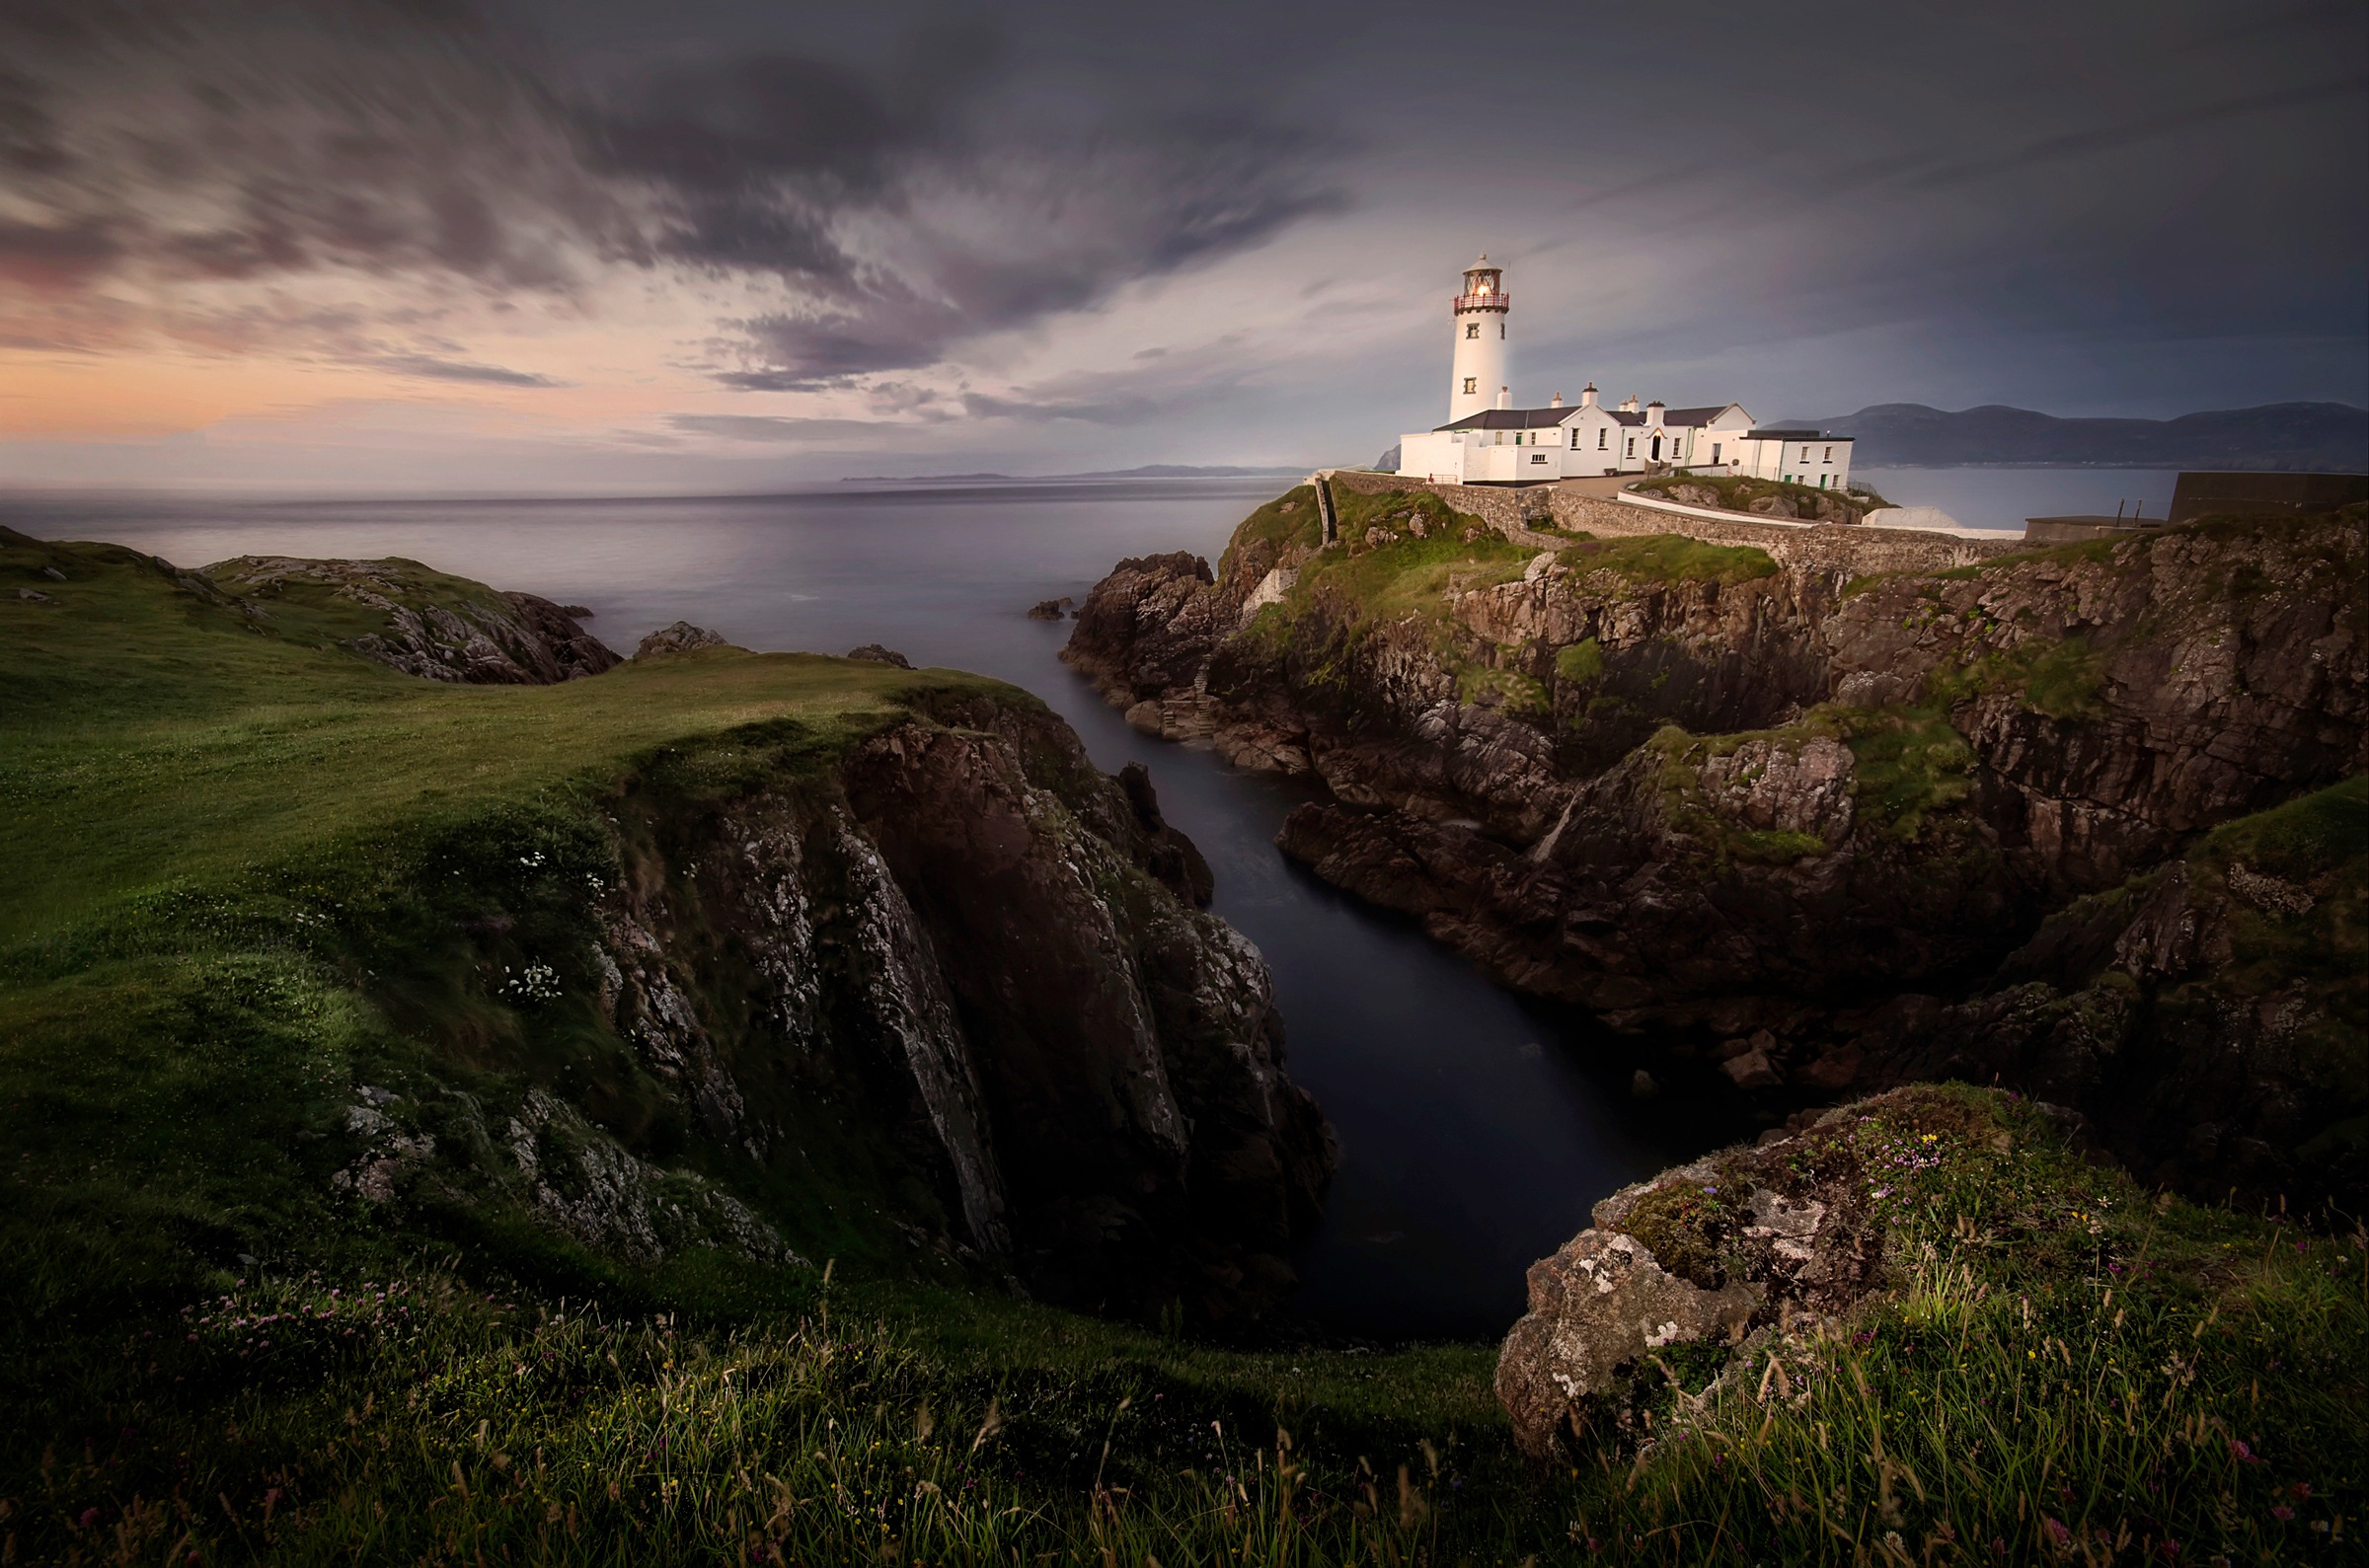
[{"x": 712, "y": 245}]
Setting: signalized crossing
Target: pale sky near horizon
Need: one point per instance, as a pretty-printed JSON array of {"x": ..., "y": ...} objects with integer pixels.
[{"x": 526, "y": 245}]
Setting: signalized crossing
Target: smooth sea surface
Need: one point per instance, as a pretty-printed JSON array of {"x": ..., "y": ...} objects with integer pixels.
[{"x": 1476, "y": 1129}]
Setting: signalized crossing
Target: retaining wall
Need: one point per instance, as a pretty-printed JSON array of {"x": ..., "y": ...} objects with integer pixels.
[{"x": 1852, "y": 550}]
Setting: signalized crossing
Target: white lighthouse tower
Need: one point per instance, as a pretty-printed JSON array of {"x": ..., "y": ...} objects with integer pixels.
[{"x": 1480, "y": 362}]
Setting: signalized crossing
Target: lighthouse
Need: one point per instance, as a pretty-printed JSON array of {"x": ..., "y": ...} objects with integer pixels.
[{"x": 1479, "y": 313}]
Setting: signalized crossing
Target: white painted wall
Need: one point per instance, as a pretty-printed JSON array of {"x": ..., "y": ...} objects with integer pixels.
[{"x": 1478, "y": 365}]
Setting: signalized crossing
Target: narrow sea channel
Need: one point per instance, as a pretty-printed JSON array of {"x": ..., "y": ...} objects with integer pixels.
[{"x": 1477, "y": 1130}]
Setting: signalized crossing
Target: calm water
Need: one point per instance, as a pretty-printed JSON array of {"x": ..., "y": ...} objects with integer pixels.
[
  {"x": 1476, "y": 1129},
  {"x": 2002, "y": 497}
]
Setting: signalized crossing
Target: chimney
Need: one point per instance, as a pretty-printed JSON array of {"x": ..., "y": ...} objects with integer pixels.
[
  {"x": 1629, "y": 404},
  {"x": 1653, "y": 411},
  {"x": 1587, "y": 396},
  {"x": 1558, "y": 402},
  {"x": 1504, "y": 396}
]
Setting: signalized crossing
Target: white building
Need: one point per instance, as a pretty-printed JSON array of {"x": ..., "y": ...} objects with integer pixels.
[{"x": 1488, "y": 441}]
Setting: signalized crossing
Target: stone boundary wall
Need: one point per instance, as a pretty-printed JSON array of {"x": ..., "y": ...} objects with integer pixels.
[{"x": 1852, "y": 550}]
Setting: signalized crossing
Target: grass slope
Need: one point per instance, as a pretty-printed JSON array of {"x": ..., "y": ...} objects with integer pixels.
[{"x": 237, "y": 863}]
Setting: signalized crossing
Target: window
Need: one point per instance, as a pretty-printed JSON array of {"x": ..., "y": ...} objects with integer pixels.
[
  {"x": 1472, "y": 329},
  {"x": 1601, "y": 437},
  {"x": 1714, "y": 451},
  {"x": 1501, "y": 331},
  {"x": 1538, "y": 457},
  {"x": 1830, "y": 454},
  {"x": 1632, "y": 452},
  {"x": 1517, "y": 438},
  {"x": 1472, "y": 384},
  {"x": 1574, "y": 440}
]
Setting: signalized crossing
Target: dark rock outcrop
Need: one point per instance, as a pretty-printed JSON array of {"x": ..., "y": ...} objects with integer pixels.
[
  {"x": 436, "y": 628},
  {"x": 681, "y": 638},
  {"x": 873, "y": 653},
  {"x": 1716, "y": 803},
  {"x": 1742, "y": 1244},
  {"x": 988, "y": 955}
]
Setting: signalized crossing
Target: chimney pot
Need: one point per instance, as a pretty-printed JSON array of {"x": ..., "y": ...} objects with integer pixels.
[{"x": 1558, "y": 402}]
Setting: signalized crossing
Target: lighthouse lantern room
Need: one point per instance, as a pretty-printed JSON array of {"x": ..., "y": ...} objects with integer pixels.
[{"x": 1480, "y": 315}]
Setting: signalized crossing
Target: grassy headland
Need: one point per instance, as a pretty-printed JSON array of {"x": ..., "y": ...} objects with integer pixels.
[{"x": 249, "y": 874}]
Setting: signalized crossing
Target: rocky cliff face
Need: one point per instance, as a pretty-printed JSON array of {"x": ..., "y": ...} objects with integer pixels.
[
  {"x": 957, "y": 977},
  {"x": 1773, "y": 814}
]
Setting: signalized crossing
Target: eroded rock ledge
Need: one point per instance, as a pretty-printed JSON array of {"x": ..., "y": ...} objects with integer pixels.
[{"x": 1806, "y": 819}]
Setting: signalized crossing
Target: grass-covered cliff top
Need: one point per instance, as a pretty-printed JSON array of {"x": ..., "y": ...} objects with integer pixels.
[
  {"x": 159, "y": 731},
  {"x": 1403, "y": 553}
]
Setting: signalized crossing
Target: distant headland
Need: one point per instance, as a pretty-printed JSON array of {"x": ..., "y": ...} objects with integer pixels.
[
  {"x": 1150, "y": 471},
  {"x": 2304, "y": 437}
]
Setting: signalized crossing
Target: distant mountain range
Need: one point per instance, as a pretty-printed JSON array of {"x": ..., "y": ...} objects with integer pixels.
[
  {"x": 2305, "y": 436},
  {"x": 1150, "y": 471}
]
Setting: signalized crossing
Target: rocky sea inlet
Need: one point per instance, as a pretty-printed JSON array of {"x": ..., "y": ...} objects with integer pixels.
[{"x": 1477, "y": 1128}]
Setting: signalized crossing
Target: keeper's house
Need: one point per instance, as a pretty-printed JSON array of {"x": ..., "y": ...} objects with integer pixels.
[{"x": 1488, "y": 441}]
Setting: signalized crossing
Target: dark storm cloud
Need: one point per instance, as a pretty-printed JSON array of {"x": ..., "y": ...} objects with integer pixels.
[
  {"x": 907, "y": 204},
  {"x": 879, "y": 187}
]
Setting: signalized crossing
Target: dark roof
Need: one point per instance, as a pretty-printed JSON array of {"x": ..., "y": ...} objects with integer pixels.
[
  {"x": 1624, "y": 417},
  {"x": 1797, "y": 435},
  {"x": 1511, "y": 419},
  {"x": 1695, "y": 415}
]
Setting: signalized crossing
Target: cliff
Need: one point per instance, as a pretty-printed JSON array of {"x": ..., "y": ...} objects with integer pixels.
[
  {"x": 712, "y": 961},
  {"x": 1781, "y": 808}
]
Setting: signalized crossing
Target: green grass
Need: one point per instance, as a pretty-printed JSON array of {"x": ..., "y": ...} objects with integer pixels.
[
  {"x": 306, "y": 609},
  {"x": 1292, "y": 518},
  {"x": 2317, "y": 845},
  {"x": 1907, "y": 765},
  {"x": 1737, "y": 492},
  {"x": 2061, "y": 677},
  {"x": 1670, "y": 558},
  {"x": 1580, "y": 662},
  {"x": 2057, "y": 1356},
  {"x": 248, "y": 874},
  {"x": 154, "y": 736}
]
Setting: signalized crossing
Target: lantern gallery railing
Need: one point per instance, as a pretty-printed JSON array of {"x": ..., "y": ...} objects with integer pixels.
[{"x": 1465, "y": 302}]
